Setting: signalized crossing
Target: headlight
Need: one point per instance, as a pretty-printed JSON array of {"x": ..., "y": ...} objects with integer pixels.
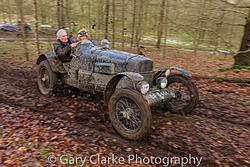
[
  {"x": 143, "y": 87},
  {"x": 167, "y": 73},
  {"x": 162, "y": 82}
]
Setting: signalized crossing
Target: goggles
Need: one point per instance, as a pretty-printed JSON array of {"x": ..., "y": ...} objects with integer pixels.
[{"x": 82, "y": 33}]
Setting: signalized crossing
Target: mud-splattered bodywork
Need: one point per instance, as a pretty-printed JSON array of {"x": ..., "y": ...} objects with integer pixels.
[{"x": 101, "y": 69}]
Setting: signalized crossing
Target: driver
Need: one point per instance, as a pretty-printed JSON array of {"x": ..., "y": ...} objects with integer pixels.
[{"x": 63, "y": 46}]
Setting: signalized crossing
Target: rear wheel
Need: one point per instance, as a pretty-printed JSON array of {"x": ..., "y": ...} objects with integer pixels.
[
  {"x": 46, "y": 78},
  {"x": 130, "y": 114},
  {"x": 186, "y": 93}
]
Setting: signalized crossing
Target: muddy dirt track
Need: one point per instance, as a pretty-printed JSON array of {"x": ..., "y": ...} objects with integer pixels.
[{"x": 75, "y": 123}]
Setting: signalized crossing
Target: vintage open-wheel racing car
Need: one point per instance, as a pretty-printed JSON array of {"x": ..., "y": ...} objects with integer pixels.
[{"x": 129, "y": 85}]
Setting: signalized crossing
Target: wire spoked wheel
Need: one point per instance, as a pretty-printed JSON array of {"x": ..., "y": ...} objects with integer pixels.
[
  {"x": 186, "y": 95},
  {"x": 46, "y": 78},
  {"x": 130, "y": 114}
]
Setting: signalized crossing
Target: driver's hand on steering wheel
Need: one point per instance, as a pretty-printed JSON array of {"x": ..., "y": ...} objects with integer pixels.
[
  {"x": 74, "y": 45},
  {"x": 74, "y": 56}
]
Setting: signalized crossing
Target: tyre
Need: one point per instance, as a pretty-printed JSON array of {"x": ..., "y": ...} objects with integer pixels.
[
  {"x": 186, "y": 93},
  {"x": 46, "y": 78},
  {"x": 130, "y": 114}
]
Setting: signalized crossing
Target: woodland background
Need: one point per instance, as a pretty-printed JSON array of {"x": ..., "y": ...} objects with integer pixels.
[{"x": 210, "y": 25}]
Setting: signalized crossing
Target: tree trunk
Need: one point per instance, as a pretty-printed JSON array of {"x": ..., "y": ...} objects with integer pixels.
[
  {"x": 20, "y": 8},
  {"x": 133, "y": 24},
  {"x": 2, "y": 12},
  {"x": 58, "y": 6},
  {"x": 160, "y": 25},
  {"x": 36, "y": 29},
  {"x": 42, "y": 12},
  {"x": 243, "y": 58},
  {"x": 231, "y": 33},
  {"x": 200, "y": 26},
  {"x": 139, "y": 27},
  {"x": 62, "y": 14},
  {"x": 165, "y": 31},
  {"x": 68, "y": 12},
  {"x": 113, "y": 23},
  {"x": 81, "y": 3},
  {"x": 107, "y": 20},
  {"x": 8, "y": 8},
  {"x": 89, "y": 16},
  {"x": 123, "y": 23},
  {"x": 145, "y": 19},
  {"x": 100, "y": 19},
  {"x": 218, "y": 30}
]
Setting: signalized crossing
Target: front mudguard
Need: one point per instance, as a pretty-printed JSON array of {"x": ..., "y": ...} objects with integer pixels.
[
  {"x": 160, "y": 72},
  {"x": 111, "y": 86}
]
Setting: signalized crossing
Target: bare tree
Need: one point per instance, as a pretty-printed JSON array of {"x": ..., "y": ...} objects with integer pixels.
[
  {"x": 165, "y": 30},
  {"x": 8, "y": 8},
  {"x": 123, "y": 24},
  {"x": 231, "y": 35},
  {"x": 89, "y": 15},
  {"x": 58, "y": 6},
  {"x": 2, "y": 12},
  {"x": 106, "y": 20},
  {"x": 200, "y": 27},
  {"x": 36, "y": 29},
  {"x": 146, "y": 15},
  {"x": 19, "y": 4},
  {"x": 68, "y": 14},
  {"x": 139, "y": 27},
  {"x": 113, "y": 23},
  {"x": 42, "y": 11},
  {"x": 100, "y": 18},
  {"x": 62, "y": 13},
  {"x": 218, "y": 29},
  {"x": 160, "y": 25},
  {"x": 81, "y": 4},
  {"x": 133, "y": 23}
]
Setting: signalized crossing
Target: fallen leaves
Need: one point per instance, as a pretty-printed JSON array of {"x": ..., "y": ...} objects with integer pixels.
[
  {"x": 22, "y": 149},
  {"x": 78, "y": 124},
  {"x": 129, "y": 149},
  {"x": 169, "y": 123}
]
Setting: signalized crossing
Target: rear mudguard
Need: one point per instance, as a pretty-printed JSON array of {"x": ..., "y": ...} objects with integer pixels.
[{"x": 55, "y": 64}]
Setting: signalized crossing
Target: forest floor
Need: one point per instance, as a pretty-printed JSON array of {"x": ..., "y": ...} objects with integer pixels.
[{"x": 37, "y": 130}]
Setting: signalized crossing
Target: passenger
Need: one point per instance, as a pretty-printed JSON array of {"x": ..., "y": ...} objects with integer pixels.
[
  {"x": 82, "y": 34},
  {"x": 63, "y": 46}
]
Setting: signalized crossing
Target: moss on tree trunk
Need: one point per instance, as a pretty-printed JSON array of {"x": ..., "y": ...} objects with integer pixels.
[{"x": 243, "y": 58}]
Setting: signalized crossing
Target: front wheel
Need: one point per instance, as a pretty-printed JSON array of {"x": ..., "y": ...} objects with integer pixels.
[
  {"x": 186, "y": 94},
  {"x": 130, "y": 114},
  {"x": 46, "y": 78}
]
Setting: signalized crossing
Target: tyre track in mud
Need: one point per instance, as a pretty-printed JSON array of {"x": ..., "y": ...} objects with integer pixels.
[
  {"x": 224, "y": 107},
  {"x": 18, "y": 80}
]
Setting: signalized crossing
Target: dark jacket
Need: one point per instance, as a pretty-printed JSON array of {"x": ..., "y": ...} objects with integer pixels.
[{"x": 63, "y": 50}]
